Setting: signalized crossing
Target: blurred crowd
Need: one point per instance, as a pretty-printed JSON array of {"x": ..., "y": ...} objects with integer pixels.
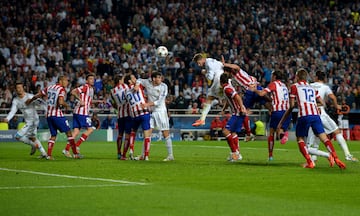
[{"x": 41, "y": 39}]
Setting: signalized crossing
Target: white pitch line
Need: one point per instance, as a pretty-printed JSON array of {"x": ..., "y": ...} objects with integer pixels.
[
  {"x": 62, "y": 186},
  {"x": 73, "y": 177}
]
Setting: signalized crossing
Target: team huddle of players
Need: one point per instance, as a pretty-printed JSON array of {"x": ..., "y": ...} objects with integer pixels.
[{"x": 141, "y": 102}]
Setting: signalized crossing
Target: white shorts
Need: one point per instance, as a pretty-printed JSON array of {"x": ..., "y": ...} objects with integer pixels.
[
  {"x": 29, "y": 129},
  {"x": 329, "y": 124},
  {"x": 214, "y": 90},
  {"x": 159, "y": 121}
]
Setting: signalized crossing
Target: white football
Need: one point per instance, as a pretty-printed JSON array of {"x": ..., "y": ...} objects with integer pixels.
[{"x": 162, "y": 51}]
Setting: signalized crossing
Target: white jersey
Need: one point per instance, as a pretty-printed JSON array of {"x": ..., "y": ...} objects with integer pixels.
[
  {"x": 323, "y": 91},
  {"x": 214, "y": 69},
  {"x": 29, "y": 111},
  {"x": 156, "y": 94},
  {"x": 329, "y": 124}
]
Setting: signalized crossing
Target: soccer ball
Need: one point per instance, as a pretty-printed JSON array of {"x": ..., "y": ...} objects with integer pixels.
[{"x": 162, "y": 51}]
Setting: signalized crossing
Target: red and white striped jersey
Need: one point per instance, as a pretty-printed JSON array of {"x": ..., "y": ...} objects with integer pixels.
[
  {"x": 306, "y": 98},
  {"x": 135, "y": 99},
  {"x": 119, "y": 95},
  {"x": 244, "y": 79},
  {"x": 230, "y": 93},
  {"x": 86, "y": 94},
  {"x": 54, "y": 92},
  {"x": 279, "y": 95}
]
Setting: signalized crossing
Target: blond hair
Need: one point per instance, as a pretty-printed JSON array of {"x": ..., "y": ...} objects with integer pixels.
[{"x": 197, "y": 57}]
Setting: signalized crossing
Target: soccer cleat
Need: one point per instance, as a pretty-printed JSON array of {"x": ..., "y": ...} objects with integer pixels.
[
  {"x": 49, "y": 157},
  {"x": 234, "y": 156},
  {"x": 123, "y": 158},
  {"x": 119, "y": 156},
  {"x": 78, "y": 149},
  {"x": 310, "y": 165},
  {"x": 139, "y": 157},
  {"x": 146, "y": 158},
  {"x": 131, "y": 156},
  {"x": 340, "y": 164},
  {"x": 66, "y": 153},
  {"x": 42, "y": 157},
  {"x": 250, "y": 137},
  {"x": 331, "y": 160},
  {"x": 284, "y": 139},
  {"x": 169, "y": 158},
  {"x": 78, "y": 156},
  {"x": 351, "y": 158},
  {"x": 198, "y": 122},
  {"x": 271, "y": 158},
  {"x": 33, "y": 150}
]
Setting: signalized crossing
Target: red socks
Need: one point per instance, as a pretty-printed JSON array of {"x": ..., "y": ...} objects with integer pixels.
[{"x": 270, "y": 145}]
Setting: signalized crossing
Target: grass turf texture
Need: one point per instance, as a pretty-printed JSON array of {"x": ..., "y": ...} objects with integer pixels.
[{"x": 199, "y": 182}]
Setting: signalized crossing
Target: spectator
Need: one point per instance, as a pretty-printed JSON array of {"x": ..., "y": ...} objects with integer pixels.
[
  {"x": 13, "y": 123},
  {"x": 193, "y": 108},
  {"x": 181, "y": 102},
  {"x": 216, "y": 127},
  {"x": 95, "y": 121},
  {"x": 274, "y": 45}
]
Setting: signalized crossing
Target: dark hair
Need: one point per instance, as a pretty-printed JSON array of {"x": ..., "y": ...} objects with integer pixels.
[
  {"x": 90, "y": 75},
  {"x": 224, "y": 78},
  {"x": 320, "y": 75},
  {"x": 155, "y": 74},
  {"x": 301, "y": 74},
  {"x": 61, "y": 77},
  {"x": 278, "y": 74},
  {"x": 19, "y": 83},
  {"x": 127, "y": 78},
  {"x": 117, "y": 78}
]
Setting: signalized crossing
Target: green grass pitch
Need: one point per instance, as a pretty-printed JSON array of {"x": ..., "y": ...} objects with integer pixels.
[{"x": 199, "y": 182}]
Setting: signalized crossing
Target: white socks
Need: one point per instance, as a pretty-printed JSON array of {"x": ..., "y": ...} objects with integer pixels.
[
  {"x": 169, "y": 147},
  {"x": 205, "y": 111},
  {"x": 342, "y": 143}
]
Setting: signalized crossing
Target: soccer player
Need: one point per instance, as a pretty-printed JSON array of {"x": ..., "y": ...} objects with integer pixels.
[
  {"x": 329, "y": 124},
  {"x": 214, "y": 69},
  {"x": 118, "y": 94},
  {"x": 81, "y": 118},
  {"x": 308, "y": 116},
  {"x": 233, "y": 126},
  {"x": 157, "y": 92},
  {"x": 139, "y": 111},
  {"x": 243, "y": 79},
  {"x": 280, "y": 103},
  {"x": 54, "y": 115},
  {"x": 27, "y": 134}
]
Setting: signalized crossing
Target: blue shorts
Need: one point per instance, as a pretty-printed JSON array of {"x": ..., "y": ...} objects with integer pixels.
[
  {"x": 124, "y": 125},
  {"x": 250, "y": 98},
  {"x": 235, "y": 123},
  {"x": 305, "y": 122},
  {"x": 275, "y": 119},
  {"x": 58, "y": 123},
  {"x": 81, "y": 121},
  {"x": 143, "y": 120}
]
